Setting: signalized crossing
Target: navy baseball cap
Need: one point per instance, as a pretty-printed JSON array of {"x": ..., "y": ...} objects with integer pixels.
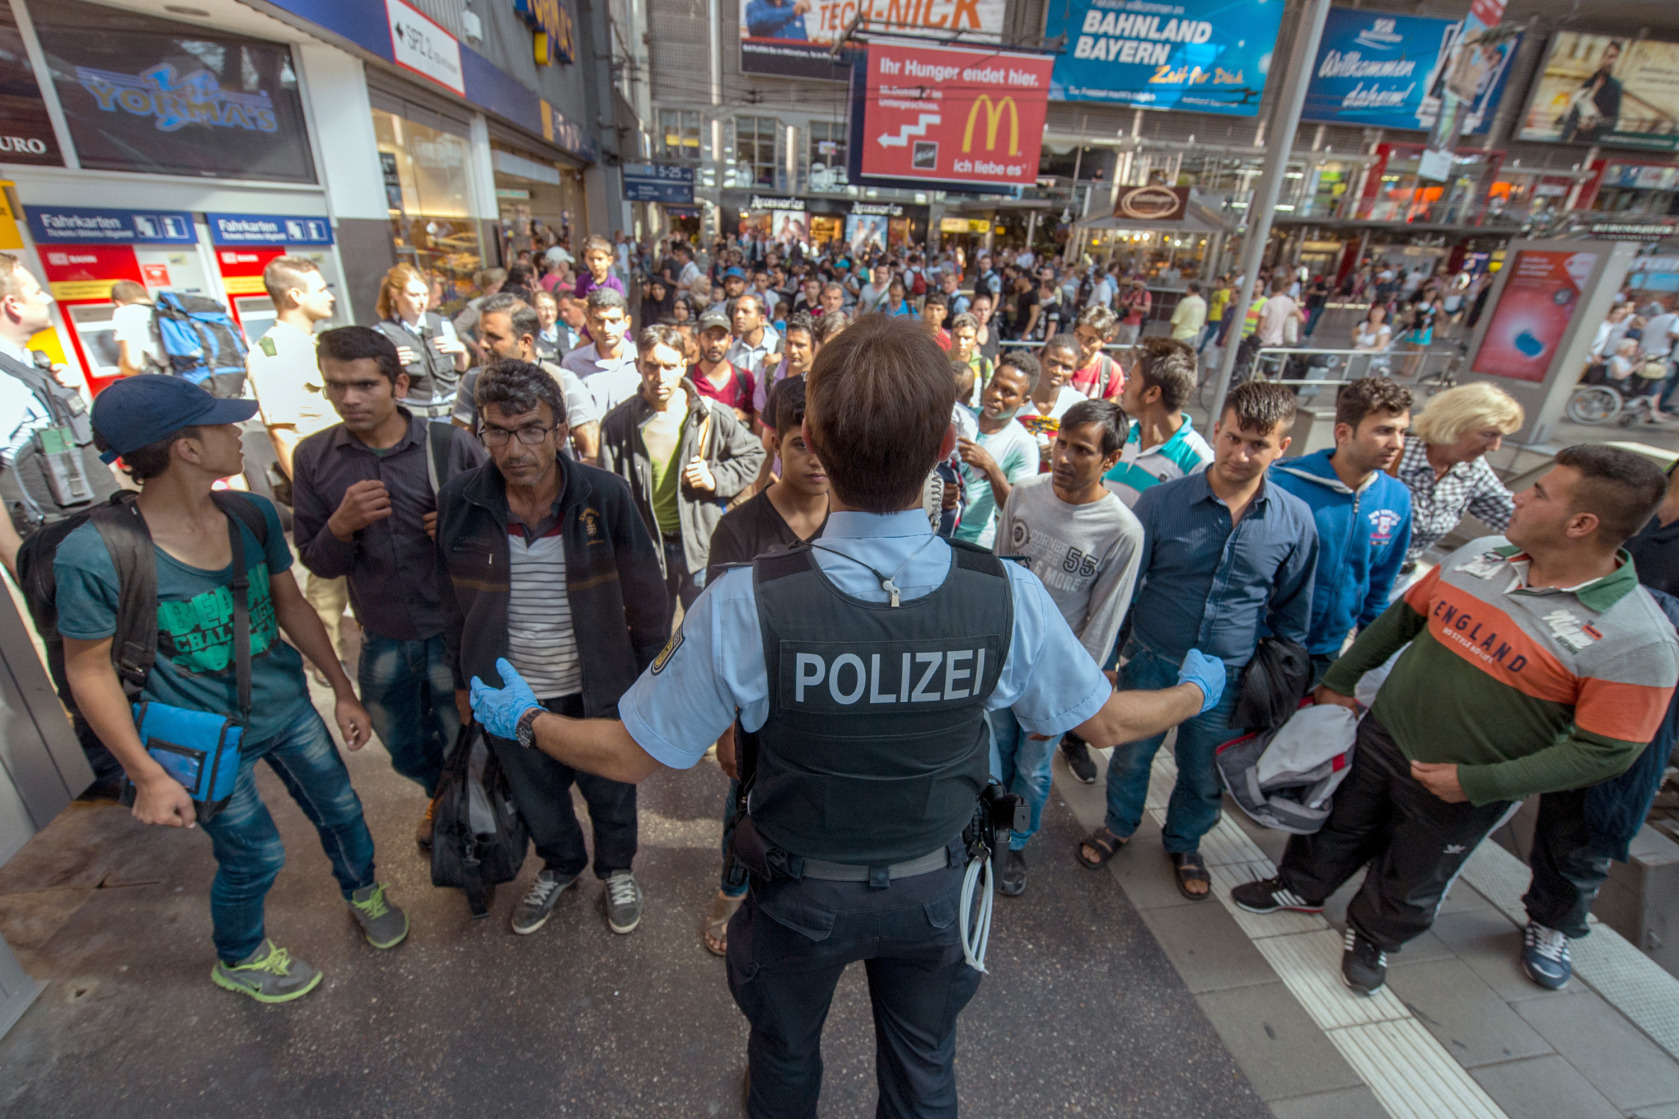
[
  {"x": 734, "y": 272},
  {"x": 138, "y": 411}
]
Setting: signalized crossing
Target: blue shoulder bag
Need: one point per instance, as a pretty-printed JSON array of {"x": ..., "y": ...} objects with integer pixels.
[{"x": 200, "y": 749}]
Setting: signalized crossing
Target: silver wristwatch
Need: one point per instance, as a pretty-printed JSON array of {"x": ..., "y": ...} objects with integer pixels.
[{"x": 527, "y": 727}]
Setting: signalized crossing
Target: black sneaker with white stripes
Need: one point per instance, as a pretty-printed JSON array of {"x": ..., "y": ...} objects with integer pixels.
[
  {"x": 1364, "y": 967},
  {"x": 1270, "y": 895}
]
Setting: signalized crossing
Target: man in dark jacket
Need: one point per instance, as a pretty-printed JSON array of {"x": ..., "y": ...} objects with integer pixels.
[
  {"x": 541, "y": 551},
  {"x": 684, "y": 456}
]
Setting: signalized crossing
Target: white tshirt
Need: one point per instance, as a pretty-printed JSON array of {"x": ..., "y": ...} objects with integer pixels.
[{"x": 133, "y": 324}]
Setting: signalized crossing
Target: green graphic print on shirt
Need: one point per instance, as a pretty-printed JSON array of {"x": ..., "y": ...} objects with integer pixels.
[{"x": 197, "y": 635}]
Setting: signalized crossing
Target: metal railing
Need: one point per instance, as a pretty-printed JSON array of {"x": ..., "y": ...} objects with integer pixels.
[{"x": 1426, "y": 372}]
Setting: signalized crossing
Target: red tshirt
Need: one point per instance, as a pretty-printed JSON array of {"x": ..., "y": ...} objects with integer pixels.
[
  {"x": 736, "y": 391},
  {"x": 1102, "y": 379}
]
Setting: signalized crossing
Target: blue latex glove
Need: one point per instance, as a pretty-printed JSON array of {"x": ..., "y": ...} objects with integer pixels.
[
  {"x": 1206, "y": 673},
  {"x": 500, "y": 709}
]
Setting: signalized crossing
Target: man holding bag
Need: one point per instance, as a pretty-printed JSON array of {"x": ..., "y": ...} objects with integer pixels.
[{"x": 176, "y": 440}]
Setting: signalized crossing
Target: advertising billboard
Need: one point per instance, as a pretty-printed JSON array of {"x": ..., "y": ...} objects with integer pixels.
[
  {"x": 1209, "y": 56},
  {"x": 1539, "y": 299},
  {"x": 1597, "y": 89},
  {"x": 951, "y": 115},
  {"x": 793, "y": 37},
  {"x": 1389, "y": 71}
]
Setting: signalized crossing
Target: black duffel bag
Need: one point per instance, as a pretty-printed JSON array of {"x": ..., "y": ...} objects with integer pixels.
[{"x": 478, "y": 838}]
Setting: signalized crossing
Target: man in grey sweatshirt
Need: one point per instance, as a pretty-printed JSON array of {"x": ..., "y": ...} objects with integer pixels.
[{"x": 1086, "y": 546}]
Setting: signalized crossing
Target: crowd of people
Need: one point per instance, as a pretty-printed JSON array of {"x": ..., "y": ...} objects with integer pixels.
[{"x": 556, "y": 474}]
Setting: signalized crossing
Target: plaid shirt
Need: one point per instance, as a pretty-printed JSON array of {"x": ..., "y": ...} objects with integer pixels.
[{"x": 1438, "y": 504}]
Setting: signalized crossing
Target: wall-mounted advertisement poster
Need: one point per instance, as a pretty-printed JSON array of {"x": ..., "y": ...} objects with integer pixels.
[
  {"x": 794, "y": 38},
  {"x": 1598, "y": 89},
  {"x": 1539, "y": 299},
  {"x": 1390, "y": 71},
  {"x": 949, "y": 115},
  {"x": 1210, "y": 56}
]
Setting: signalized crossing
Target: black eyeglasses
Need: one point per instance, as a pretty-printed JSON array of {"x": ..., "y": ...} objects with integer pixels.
[{"x": 530, "y": 435}]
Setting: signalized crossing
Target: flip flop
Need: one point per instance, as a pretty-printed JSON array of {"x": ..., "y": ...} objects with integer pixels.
[
  {"x": 1106, "y": 845},
  {"x": 717, "y": 923}
]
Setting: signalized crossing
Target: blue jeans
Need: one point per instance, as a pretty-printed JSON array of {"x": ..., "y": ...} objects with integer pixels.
[
  {"x": 1021, "y": 763},
  {"x": 247, "y": 844},
  {"x": 1197, "y": 796},
  {"x": 409, "y": 693}
]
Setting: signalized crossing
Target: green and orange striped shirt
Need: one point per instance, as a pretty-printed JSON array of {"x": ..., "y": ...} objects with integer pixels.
[{"x": 1527, "y": 689}]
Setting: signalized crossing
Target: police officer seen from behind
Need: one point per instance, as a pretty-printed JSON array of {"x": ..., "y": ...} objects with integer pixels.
[{"x": 860, "y": 669}]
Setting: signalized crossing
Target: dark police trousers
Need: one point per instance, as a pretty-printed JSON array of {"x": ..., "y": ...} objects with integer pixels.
[
  {"x": 541, "y": 790},
  {"x": 788, "y": 944},
  {"x": 1415, "y": 843}
]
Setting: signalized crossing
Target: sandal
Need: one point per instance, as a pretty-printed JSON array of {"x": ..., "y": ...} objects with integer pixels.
[
  {"x": 716, "y": 935},
  {"x": 1106, "y": 845},
  {"x": 1190, "y": 867}
]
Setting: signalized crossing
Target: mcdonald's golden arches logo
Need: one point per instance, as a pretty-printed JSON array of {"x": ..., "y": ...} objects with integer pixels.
[{"x": 993, "y": 118}]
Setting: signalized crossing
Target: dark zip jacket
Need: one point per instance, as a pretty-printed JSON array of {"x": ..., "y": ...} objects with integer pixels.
[{"x": 619, "y": 614}]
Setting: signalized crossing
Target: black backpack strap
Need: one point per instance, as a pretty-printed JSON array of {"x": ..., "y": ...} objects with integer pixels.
[
  {"x": 440, "y": 442},
  {"x": 134, "y": 644},
  {"x": 241, "y": 510}
]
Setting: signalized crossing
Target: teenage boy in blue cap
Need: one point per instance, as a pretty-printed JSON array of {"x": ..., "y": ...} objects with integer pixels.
[{"x": 176, "y": 440}]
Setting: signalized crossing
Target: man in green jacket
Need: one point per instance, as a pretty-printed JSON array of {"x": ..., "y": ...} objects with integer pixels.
[
  {"x": 685, "y": 458},
  {"x": 1535, "y": 663}
]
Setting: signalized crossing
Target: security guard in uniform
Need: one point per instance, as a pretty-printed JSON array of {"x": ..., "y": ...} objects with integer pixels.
[{"x": 860, "y": 669}]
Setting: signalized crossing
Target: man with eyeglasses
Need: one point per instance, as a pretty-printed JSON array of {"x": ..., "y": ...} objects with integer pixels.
[
  {"x": 364, "y": 506},
  {"x": 543, "y": 553}
]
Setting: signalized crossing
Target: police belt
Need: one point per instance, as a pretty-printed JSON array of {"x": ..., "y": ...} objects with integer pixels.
[
  {"x": 439, "y": 408},
  {"x": 845, "y": 872}
]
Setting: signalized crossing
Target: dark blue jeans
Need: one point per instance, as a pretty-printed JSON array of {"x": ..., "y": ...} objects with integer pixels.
[
  {"x": 409, "y": 693},
  {"x": 1197, "y": 797},
  {"x": 247, "y": 844}
]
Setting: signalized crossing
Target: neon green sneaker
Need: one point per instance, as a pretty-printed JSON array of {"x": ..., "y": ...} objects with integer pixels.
[
  {"x": 385, "y": 924},
  {"x": 269, "y": 975}
]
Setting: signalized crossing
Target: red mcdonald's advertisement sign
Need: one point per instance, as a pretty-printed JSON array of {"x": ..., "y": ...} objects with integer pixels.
[{"x": 953, "y": 114}]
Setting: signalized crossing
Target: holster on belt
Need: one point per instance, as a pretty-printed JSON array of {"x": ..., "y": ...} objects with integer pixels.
[{"x": 759, "y": 858}]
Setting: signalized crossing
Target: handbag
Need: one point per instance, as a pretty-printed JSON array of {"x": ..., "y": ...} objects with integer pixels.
[
  {"x": 200, "y": 749},
  {"x": 479, "y": 838}
]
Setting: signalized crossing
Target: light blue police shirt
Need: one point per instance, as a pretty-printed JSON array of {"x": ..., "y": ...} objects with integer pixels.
[{"x": 715, "y": 665}]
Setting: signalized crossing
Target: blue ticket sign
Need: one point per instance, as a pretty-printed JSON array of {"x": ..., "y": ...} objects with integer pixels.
[
  {"x": 658, "y": 182},
  {"x": 268, "y": 229},
  {"x": 1389, "y": 71},
  {"x": 89, "y": 225},
  {"x": 1208, "y": 56}
]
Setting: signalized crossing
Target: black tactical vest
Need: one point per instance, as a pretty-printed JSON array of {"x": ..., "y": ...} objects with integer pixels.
[
  {"x": 431, "y": 376},
  {"x": 876, "y": 747},
  {"x": 28, "y": 489}
]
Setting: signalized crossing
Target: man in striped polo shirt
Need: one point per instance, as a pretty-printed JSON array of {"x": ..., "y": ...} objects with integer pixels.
[
  {"x": 1536, "y": 664},
  {"x": 1162, "y": 444}
]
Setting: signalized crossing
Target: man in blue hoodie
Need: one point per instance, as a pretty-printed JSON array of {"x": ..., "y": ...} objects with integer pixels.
[{"x": 1363, "y": 514}]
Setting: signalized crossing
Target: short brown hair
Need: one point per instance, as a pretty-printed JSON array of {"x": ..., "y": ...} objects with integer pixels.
[
  {"x": 129, "y": 291},
  {"x": 10, "y": 269},
  {"x": 1168, "y": 365},
  {"x": 879, "y": 399},
  {"x": 1261, "y": 406},
  {"x": 285, "y": 273},
  {"x": 1368, "y": 395},
  {"x": 1621, "y": 488}
]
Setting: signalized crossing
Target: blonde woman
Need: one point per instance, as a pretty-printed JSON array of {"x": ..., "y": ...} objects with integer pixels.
[
  {"x": 1445, "y": 466},
  {"x": 431, "y": 353}
]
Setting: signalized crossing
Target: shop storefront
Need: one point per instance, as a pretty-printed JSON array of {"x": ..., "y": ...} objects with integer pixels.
[
  {"x": 425, "y": 157},
  {"x": 817, "y": 222},
  {"x": 198, "y": 135},
  {"x": 540, "y": 201},
  {"x": 1394, "y": 191}
]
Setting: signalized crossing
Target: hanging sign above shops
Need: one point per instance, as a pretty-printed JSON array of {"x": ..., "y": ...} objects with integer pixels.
[
  {"x": 420, "y": 45},
  {"x": 950, "y": 115},
  {"x": 1597, "y": 89},
  {"x": 1388, "y": 71},
  {"x": 553, "y": 34},
  {"x": 1210, "y": 56},
  {"x": 794, "y": 38},
  {"x": 878, "y": 209},
  {"x": 658, "y": 182},
  {"x": 85, "y": 225},
  {"x": 1653, "y": 229},
  {"x": 26, "y": 134},
  {"x": 1151, "y": 203},
  {"x": 760, "y": 202},
  {"x": 268, "y": 229}
]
